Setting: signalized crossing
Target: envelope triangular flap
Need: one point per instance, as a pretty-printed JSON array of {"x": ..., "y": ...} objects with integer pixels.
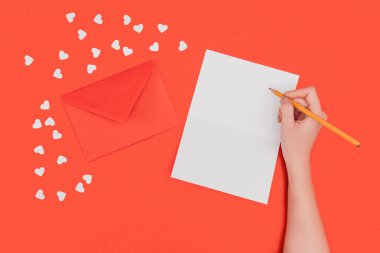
[{"x": 114, "y": 96}]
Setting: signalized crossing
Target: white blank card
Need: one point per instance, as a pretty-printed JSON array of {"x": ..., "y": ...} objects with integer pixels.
[{"x": 231, "y": 137}]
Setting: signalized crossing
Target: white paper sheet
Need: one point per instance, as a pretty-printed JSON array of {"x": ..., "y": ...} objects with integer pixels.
[{"x": 231, "y": 138}]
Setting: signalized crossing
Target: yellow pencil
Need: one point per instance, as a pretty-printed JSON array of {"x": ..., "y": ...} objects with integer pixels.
[{"x": 319, "y": 119}]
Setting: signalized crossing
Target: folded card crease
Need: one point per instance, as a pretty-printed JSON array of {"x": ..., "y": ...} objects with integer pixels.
[{"x": 231, "y": 137}]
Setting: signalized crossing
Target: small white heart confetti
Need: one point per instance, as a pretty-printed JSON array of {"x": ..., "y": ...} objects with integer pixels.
[
  {"x": 28, "y": 60},
  {"x": 61, "y": 195},
  {"x": 81, "y": 34},
  {"x": 127, "y": 19},
  {"x": 87, "y": 179},
  {"x": 56, "y": 135},
  {"x": 39, "y": 150},
  {"x": 61, "y": 160},
  {"x": 79, "y": 188},
  {"x": 127, "y": 51},
  {"x": 40, "y": 194},
  {"x": 162, "y": 28},
  {"x": 115, "y": 45},
  {"x": 37, "y": 124},
  {"x": 182, "y": 46},
  {"x": 70, "y": 17},
  {"x": 91, "y": 68},
  {"x": 49, "y": 122},
  {"x": 39, "y": 171},
  {"x": 58, "y": 74},
  {"x": 138, "y": 28},
  {"x": 98, "y": 19},
  {"x": 45, "y": 105},
  {"x": 154, "y": 47},
  {"x": 95, "y": 52},
  {"x": 62, "y": 55}
]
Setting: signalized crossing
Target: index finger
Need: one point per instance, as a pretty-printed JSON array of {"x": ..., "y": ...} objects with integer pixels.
[{"x": 309, "y": 94}]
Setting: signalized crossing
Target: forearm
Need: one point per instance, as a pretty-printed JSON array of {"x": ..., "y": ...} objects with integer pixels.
[{"x": 304, "y": 232}]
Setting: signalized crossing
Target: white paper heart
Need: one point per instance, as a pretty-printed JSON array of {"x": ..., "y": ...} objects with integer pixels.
[
  {"x": 81, "y": 34},
  {"x": 40, "y": 194},
  {"x": 61, "y": 195},
  {"x": 138, "y": 28},
  {"x": 39, "y": 150},
  {"x": 127, "y": 19},
  {"x": 28, "y": 60},
  {"x": 45, "y": 105},
  {"x": 95, "y": 52},
  {"x": 62, "y": 55},
  {"x": 70, "y": 17},
  {"x": 87, "y": 179},
  {"x": 39, "y": 171},
  {"x": 127, "y": 51},
  {"x": 56, "y": 135},
  {"x": 162, "y": 28},
  {"x": 91, "y": 68},
  {"x": 61, "y": 160},
  {"x": 115, "y": 45},
  {"x": 98, "y": 19},
  {"x": 58, "y": 74},
  {"x": 49, "y": 122},
  {"x": 182, "y": 45},
  {"x": 79, "y": 188},
  {"x": 37, "y": 124},
  {"x": 154, "y": 47}
]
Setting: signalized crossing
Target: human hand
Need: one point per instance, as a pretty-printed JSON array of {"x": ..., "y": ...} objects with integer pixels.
[{"x": 298, "y": 132}]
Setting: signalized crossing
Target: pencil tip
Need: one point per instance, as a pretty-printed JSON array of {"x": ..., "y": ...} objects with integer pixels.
[{"x": 358, "y": 146}]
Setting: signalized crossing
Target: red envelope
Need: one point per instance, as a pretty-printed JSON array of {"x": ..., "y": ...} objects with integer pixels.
[{"x": 120, "y": 110}]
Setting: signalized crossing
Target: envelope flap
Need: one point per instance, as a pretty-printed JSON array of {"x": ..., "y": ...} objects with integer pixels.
[{"x": 114, "y": 96}]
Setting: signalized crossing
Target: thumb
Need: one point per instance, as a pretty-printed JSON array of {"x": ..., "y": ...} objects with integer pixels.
[{"x": 287, "y": 112}]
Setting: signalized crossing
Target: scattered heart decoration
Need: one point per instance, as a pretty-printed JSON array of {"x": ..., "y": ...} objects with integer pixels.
[
  {"x": 127, "y": 19},
  {"x": 79, "y": 187},
  {"x": 81, "y": 34},
  {"x": 61, "y": 159},
  {"x": 87, "y": 179},
  {"x": 91, "y": 68},
  {"x": 37, "y": 124},
  {"x": 61, "y": 195},
  {"x": 56, "y": 135},
  {"x": 127, "y": 51},
  {"x": 58, "y": 74},
  {"x": 45, "y": 105},
  {"x": 28, "y": 60},
  {"x": 154, "y": 47},
  {"x": 39, "y": 171},
  {"x": 162, "y": 28},
  {"x": 182, "y": 46},
  {"x": 49, "y": 122},
  {"x": 95, "y": 52},
  {"x": 115, "y": 45},
  {"x": 40, "y": 194},
  {"x": 98, "y": 19},
  {"x": 138, "y": 28},
  {"x": 39, "y": 150},
  {"x": 62, "y": 55},
  {"x": 70, "y": 17}
]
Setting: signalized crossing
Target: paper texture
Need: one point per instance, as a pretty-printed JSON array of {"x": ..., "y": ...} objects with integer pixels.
[{"x": 231, "y": 138}]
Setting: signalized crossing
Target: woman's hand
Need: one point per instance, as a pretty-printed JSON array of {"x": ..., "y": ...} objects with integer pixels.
[{"x": 298, "y": 132}]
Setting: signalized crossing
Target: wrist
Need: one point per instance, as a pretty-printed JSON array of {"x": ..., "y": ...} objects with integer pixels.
[{"x": 299, "y": 171}]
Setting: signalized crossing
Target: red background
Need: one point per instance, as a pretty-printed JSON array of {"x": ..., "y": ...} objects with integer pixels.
[{"x": 132, "y": 204}]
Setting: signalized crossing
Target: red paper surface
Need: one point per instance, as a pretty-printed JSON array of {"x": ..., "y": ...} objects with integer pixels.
[{"x": 120, "y": 110}]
